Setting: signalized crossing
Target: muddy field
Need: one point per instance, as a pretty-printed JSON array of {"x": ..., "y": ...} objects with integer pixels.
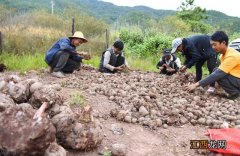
[{"x": 142, "y": 113}]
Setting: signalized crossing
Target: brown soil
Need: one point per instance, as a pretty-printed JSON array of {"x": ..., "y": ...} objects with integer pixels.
[{"x": 140, "y": 140}]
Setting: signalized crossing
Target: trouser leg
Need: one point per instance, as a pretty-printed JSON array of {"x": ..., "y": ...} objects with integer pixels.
[
  {"x": 230, "y": 84},
  {"x": 120, "y": 61},
  {"x": 211, "y": 64},
  {"x": 70, "y": 66},
  {"x": 199, "y": 70},
  {"x": 59, "y": 61}
]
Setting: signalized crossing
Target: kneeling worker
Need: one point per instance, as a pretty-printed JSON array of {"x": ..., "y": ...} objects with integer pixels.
[
  {"x": 112, "y": 59},
  {"x": 168, "y": 64},
  {"x": 63, "y": 57},
  {"x": 228, "y": 73}
]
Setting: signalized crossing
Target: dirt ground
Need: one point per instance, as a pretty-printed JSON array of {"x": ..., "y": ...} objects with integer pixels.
[{"x": 140, "y": 140}]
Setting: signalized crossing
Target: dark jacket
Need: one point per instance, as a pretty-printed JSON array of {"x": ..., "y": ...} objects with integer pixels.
[
  {"x": 172, "y": 64},
  {"x": 197, "y": 48},
  {"x": 63, "y": 44},
  {"x": 114, "y": 61}
]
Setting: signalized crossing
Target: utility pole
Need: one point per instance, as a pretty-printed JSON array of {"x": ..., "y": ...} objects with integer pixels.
[
  {"x": 52, "y": 3},
  {"x": 1, "y": 42},
  {"x": 73, "y": 25},
  {"x": 107, "y": 38}
]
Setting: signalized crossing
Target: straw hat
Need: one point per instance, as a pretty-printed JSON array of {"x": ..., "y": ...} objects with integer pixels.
[{"x": 79, "y": 34}]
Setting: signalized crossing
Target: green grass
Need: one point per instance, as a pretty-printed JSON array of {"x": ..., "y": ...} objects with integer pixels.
[
  {"x": 205, "y": 70},
  {"x": 93, "y": 62},
  {"x": 107, "y": 153},
  {"x": 26, "y": 62},
  {"x": 147, "y": 64},
  {"x": 77, "y": 99},
  {"x": 23, "y": 63}
]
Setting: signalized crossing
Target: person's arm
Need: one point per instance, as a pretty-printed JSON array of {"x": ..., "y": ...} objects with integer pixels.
[
  {"x": 125, "y": 62},
  {"x": 76, "y": 58},
  {"x": 66, "y": 45},
  {"x": 41, "y": 110},
  {"x": 106, "y": 61},
  {"x": 84, "y": 55},
  {"x": 183, "y": 68},
  {"x": 215, "y": 76},
  {"x": 79, "y": 56},
  {"x": 172, "y": 68},
  {"x": 160, "y": 63}
]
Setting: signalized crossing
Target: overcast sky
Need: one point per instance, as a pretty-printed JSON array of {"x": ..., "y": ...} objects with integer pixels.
[{"x": 229, "y": 7}]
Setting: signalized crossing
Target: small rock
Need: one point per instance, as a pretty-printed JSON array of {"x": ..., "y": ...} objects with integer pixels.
[
  {"x": 57, "y": 87},
  {"x": 237, "y": 126},
  {"x": 182, "y": 101},
  {"x": 119, "y": 149},
  {"x": 128, "y": 119},
  {"x": 219, "y": 113},
  {"x": 208, "y": 122},
  {"x": 183, "y": 120},
  {"x": 141, "y": 119},
  {"x": 55, "y": 150},
  {"x": 159, "y": 122},
  {"x": 2, "y": 85},
  {"x": 165, "y": 126},
  {"x": 196, "y": 98},
  {"x": 111, "y": 98},
  {"x": 35, "y": 86},
  {"x": 153, "y": 112},
  {"x": 143, "y": 111},
  {"x": 134, "y": 120},
  {"x": 116, "y": 129},
  {"x": 92, "y": 93},
  {"x": 237, "y": 122},
  {"x": 224, "y": 125},
  {"x": 121, "y": 115},
  {"x": 202, "y": 120}
]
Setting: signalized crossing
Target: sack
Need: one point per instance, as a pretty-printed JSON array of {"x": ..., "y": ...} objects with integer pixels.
[{"x": 232, "y": 137}]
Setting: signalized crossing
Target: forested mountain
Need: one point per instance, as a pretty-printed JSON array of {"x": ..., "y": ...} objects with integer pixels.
[{"x": 112, "y": 13}]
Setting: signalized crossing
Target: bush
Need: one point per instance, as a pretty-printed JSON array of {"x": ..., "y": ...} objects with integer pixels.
[{"x": 141, "y": 45}]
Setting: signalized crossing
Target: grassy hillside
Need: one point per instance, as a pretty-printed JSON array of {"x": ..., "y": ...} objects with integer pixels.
[{"x": 112, "y": 13}]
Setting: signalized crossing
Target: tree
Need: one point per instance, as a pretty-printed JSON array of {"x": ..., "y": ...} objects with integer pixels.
[{"x": 194, "y": 16}]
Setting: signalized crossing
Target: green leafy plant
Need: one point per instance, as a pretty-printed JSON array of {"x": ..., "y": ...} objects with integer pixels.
[
  {"x": 107, "y": 153},
  {"x": 77, "y": 99}
]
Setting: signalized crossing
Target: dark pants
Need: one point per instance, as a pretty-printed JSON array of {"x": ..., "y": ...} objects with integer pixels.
[
  {"x": 62, "y": 62},
  {"x": 120, "y": 61},
  {"x": 211, "y": 64},
  {"x": 230, "y": 84}
]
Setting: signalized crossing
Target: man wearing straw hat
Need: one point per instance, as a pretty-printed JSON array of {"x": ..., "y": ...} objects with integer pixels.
[{"x": 63, "y": 57}]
